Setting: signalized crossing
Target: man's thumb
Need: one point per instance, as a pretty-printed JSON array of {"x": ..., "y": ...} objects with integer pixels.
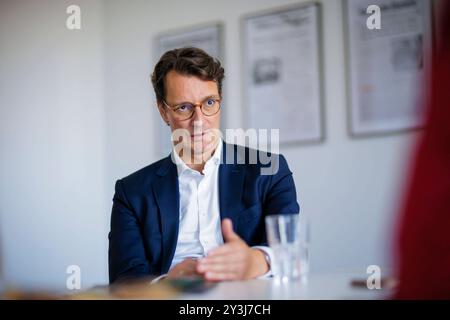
[{"x": 227, "y": 230}]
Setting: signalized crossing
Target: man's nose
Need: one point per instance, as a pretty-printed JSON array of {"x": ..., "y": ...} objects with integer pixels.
[{"x": 198, "y": 115}]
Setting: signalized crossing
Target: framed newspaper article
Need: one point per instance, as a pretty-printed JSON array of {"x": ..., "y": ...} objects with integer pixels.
[
  {"x": 282, "y": 72},
  {"x": 386, "y": 66}
]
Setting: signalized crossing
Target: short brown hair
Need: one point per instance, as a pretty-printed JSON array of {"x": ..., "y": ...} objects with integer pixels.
[{"x": 186, "y": 61}]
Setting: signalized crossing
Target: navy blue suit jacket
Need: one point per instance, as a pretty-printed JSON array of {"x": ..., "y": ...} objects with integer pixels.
[{"x": 145, "y": 212}]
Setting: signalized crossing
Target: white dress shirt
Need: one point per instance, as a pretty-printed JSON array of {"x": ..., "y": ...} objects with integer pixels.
[{"x": 199, "y": 221}]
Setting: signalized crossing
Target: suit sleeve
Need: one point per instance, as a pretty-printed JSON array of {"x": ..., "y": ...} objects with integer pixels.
[
  {"x": 126, "y": 249},
  {"x": 281, "y": 197}
]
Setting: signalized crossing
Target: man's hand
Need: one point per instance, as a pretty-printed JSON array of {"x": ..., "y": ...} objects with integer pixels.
[
  {"x": 234, "y": 260},
  {"x": 186, "y": 268}
]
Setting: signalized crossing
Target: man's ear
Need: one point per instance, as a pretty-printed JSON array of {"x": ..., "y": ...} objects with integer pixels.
[{"x": 163, "y": 113}]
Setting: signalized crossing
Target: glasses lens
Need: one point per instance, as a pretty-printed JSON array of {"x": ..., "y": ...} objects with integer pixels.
[
  {"x": 210, "y": 106},
  {"x": 184, "y": 110}
]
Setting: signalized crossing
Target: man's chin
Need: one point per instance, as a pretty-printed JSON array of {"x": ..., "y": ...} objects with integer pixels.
[{"x": 202, "y": 147}]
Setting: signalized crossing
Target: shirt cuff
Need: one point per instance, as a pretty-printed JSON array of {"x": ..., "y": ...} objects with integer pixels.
[
  {"x": 269, "y": 258},
  {"x": 158, "y": 278}
]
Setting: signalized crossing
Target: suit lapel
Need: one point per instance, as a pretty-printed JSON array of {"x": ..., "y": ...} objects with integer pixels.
[
  {"x": 167, "y": 197},
  {"x": 166, "y": 191},
  {"x": 231, "y": 183}
]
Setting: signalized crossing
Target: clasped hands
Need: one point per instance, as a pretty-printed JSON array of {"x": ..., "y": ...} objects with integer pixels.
[{"x": 234, "y": 260}]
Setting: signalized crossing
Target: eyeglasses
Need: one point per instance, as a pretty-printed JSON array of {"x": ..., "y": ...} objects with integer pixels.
[{"x": 184, "y": 111}]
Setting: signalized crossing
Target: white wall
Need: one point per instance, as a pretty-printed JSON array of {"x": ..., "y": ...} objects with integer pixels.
[
  {"x": 54, "y": 209},
  {"x": 348, "y": 187},
  {"x": 78, "y": 112}
]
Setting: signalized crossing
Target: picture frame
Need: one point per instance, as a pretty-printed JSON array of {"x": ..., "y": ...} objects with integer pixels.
[
  {"x": 386, "y": 67},
  {"x": 283, "y": 72}
]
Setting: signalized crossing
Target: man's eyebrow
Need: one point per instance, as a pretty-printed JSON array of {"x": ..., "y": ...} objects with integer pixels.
[{"x": 214, "y": 96}]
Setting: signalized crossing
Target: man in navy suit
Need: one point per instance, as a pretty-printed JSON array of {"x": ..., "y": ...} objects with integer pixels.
[{"x": 200, "y": 211}]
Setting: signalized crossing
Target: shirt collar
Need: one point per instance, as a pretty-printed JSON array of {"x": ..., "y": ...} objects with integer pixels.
[{"x": 214, "y": 160}]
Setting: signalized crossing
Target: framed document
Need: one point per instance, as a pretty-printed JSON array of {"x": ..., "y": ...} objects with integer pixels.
[
  {"x": 207, "y": 37},
  {"x": 283, "y": 73},
  {"x": 386, "y": 66}
]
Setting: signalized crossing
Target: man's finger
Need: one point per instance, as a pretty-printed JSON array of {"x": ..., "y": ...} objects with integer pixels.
[
  {"x": 220, "y": 276},
  {"x": 221, "y": 259},
  {"x": 220, "y": 267},
  {"x": 223, "y": 249},
  {"x": 227, "y": 231}
]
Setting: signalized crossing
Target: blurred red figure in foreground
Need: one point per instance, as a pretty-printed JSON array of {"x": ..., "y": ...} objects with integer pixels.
[{"x": 423, "y": 242}]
